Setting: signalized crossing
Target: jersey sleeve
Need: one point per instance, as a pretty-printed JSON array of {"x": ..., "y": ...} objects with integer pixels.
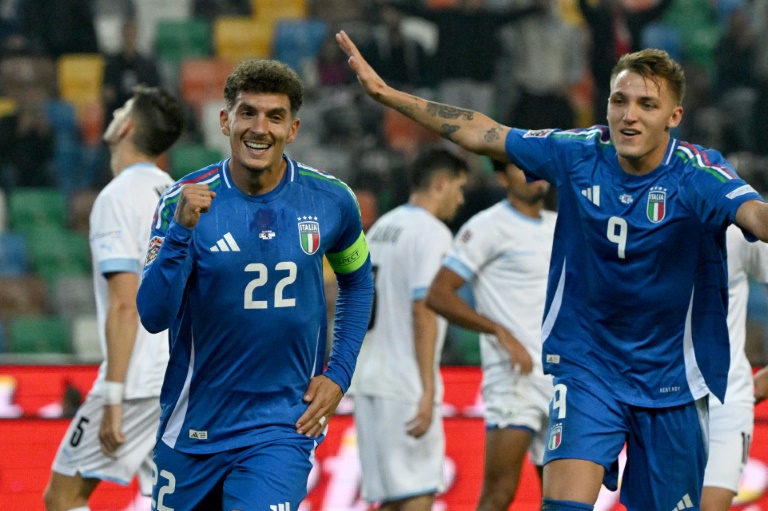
[
  {"x": 351, "y": 262},
  {"x": 167, "y": 266},
  {"x": 548, "y": 153},
  {"x": 471, "y": 249},
  {"x": 712, "y": 189},
  {"x": 113, "y": 244}
]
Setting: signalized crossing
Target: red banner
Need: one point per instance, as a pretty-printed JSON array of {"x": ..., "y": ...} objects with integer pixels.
[{"x": 29, "y": 443}]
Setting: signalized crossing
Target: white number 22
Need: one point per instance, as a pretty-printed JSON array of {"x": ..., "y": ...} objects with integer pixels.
[
  {"x": 615, "y": 224},
  {"x": 261, "y": 279}
]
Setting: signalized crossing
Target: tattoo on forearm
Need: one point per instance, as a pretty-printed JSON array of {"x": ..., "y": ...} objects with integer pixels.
[
  {"x": 449, "y": 112},
  {"x": 406, "y": 110},
  {"x": 446, "y": 130},
  {"x": 492, "y": 135}
]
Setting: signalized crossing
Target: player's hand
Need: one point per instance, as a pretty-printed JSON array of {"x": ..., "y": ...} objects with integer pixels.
[
  {"x": 110, "y": 435},
  {"x": 368, "y": 78},
  {"x": 323, "y": 396},
  {"x": 419, "y": 425},
  {"x": 520, "y": 357},
  {"x": 761, "y": 385},
  {"x": 194, "y": 200}
]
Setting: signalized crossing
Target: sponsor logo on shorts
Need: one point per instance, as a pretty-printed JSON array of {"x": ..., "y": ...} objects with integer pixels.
[
  {"x": 154, "y": 247},
  {"x": 553, "y": 359},
  {"x": 198, "y": 435},
  {"x": 555, "y": 436},
  {"x": 285, "y": 506}
]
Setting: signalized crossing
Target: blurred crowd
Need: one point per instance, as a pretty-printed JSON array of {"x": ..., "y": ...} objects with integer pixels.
[{"x": 66, "y": 65}]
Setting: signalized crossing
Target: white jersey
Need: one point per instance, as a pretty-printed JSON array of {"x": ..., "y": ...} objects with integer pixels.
[
  {"x": 745, "y": 260},
  {"x": 120, "y": 224},
  {"x": 406, "y": 245},
  {"x": 505, "y": 255}
]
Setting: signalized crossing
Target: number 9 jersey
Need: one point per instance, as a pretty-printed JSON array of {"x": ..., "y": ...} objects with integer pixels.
[
  {"x": 637, "y": 293},
  {"x": 242, "y": 294}
]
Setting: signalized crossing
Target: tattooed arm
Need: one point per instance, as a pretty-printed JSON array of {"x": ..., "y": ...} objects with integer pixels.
[{"x": 473, "y": 131}]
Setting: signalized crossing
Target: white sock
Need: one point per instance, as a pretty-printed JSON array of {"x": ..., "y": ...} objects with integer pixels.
[{"x": 83, "y": 508}]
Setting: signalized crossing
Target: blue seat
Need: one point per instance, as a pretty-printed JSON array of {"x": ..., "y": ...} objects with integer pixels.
[
  {"x": 294, "y": 40},
  {"x": 13, "y": 254}
]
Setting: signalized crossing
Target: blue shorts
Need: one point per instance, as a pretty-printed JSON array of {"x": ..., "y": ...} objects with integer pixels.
[
  {"x": 666, "y": 447},
  {"x": 268, "y": 476}
]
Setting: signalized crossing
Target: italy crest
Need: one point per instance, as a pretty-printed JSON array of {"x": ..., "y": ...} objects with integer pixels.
[
  {"x": 657, "y": 204},
  {"x": 555, "y": 436},
  {"x": 309, "y": 234}
]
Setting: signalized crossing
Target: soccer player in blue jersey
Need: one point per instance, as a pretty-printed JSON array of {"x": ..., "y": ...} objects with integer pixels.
[
  {"x": 634, "y": 324},
  {"x": 235, "y": 272}
]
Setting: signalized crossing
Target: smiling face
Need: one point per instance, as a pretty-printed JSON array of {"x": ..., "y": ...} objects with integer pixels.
[
  {"x": 259, "y": 126},
  {"x": 641, "y": 113}
]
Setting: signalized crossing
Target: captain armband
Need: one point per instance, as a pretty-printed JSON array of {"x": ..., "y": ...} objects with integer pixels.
[{"x": 351, "y": 258}]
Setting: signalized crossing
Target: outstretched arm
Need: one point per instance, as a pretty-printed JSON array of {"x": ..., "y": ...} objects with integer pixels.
[
  {"x": 753, "y": 216},
  {"x": 471, "y": 130}
]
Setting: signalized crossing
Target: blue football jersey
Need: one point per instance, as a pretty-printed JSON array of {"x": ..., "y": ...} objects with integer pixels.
[
  {"x": 637, "y": 293},
  {"x": 242, "y": 294}
]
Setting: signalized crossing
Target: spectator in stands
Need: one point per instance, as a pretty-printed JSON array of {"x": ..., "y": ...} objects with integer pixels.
[
  {"x": 27, "y": 137},
  {"x": 400, "y": 59},
  {"x": 464, "y": 61},
  {"x": 735, "y": 82},
  {"x": 126, "y": 69},
  {"x": 56, "y": 28},
  {"x": 615, "y": 31},
  {"x": 544, "y": 57}
]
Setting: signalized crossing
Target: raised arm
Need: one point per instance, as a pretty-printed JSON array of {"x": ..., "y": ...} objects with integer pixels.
[{"x": 471, "y": 130}]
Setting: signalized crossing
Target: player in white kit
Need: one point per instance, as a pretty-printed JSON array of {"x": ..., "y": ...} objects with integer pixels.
[
  {"x": 113, "y": 433},
  {"x": 504, "y": 252},
  {"x": 396, "y": 387},
  {"x": 731, "y": 424}
]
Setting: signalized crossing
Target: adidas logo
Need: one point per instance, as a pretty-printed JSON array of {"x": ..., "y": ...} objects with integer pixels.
[
  {"x": 592, "y": 194},
  {"x": 685, "y": 503},
  {"x": 281, "y": 507},
  {"x": 226, "y": 244}
]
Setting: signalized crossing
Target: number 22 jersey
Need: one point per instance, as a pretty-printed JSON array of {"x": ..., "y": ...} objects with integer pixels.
[{"x": 243, "y": 293}]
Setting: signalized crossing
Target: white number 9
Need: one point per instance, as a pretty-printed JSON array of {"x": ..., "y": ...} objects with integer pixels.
[{"x": 620, "y": 237}]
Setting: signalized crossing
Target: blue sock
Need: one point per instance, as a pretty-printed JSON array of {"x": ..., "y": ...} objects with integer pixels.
[{"x": 564, "y": 505}]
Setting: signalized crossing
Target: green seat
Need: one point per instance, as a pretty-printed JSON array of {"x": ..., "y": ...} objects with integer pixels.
[
  {"x": 186, "y": 158},
  {"x": 29, "y": 208},
  {"x": 39, "y": 334},
  {"x": 181, "y": 39},
  {"x": 55, "y": 252},
  {"x": 467, "y": 345}
]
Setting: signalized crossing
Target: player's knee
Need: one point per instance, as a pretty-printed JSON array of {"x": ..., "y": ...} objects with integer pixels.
[
  {"x": 564, "y": 505},
  {"x": 56, "y": 501}
]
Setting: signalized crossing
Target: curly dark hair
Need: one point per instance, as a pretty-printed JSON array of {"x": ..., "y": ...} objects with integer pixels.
[
  {"x": 262, "y": 75},
  {"x": 158, "y": 117}
]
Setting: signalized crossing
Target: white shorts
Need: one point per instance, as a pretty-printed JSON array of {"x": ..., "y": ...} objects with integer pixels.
[
  {"x": 519, "y": 401},
  {"x": 394, "y": 464},
  {"x": 80, "y": 450},
  {"x": 730, "y": 433}
]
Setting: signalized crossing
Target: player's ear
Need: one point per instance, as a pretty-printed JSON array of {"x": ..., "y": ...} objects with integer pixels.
[
  {"x": 224, "y": 121},
  {"x": 675, "y": 118},
  {"x": 126, "y": 127},
  {"x": 293, "y": 131}
]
